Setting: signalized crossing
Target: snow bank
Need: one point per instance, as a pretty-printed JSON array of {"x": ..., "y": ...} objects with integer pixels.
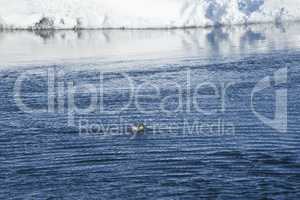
[{"x": 70, "y": 14}]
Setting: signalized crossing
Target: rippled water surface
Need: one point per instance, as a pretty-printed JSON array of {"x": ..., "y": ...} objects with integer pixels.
[{"x": 202, "y": 94}]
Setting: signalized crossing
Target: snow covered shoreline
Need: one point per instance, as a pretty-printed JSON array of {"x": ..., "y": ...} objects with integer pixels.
[{"x": 142, "y": 14}]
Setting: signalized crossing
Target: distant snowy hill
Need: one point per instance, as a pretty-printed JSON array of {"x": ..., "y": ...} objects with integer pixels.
[{"x": 69, "y": 14}]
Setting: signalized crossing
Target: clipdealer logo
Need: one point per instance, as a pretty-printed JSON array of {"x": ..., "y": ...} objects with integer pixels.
[
  {"x": 61, "y": 97},
  {"x": 280, "y": 120}
]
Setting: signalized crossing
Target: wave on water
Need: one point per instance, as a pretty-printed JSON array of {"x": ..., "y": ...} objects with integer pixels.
[{"x": 142, "y": 14}]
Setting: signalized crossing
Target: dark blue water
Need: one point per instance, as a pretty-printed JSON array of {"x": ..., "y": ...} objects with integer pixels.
[{"x": 203, "y": 139}]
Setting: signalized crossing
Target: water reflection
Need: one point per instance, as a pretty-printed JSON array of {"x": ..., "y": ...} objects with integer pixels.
[
  {"x": 54, "y": 46},
  {"x": 45, "y": 34},
  {"x": 216, "y": 37},
  {"x": 250, "y": 37}
]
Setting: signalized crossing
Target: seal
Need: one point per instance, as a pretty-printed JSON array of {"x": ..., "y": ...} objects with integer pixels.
[{"x": 138, "y": 128}]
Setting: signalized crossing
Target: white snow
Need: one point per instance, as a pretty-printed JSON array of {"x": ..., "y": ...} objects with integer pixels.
[{"x": 69, "y": 14}]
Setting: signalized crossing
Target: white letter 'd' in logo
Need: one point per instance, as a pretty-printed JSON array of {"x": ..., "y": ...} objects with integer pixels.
[{"x": 279, "y": 122}]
